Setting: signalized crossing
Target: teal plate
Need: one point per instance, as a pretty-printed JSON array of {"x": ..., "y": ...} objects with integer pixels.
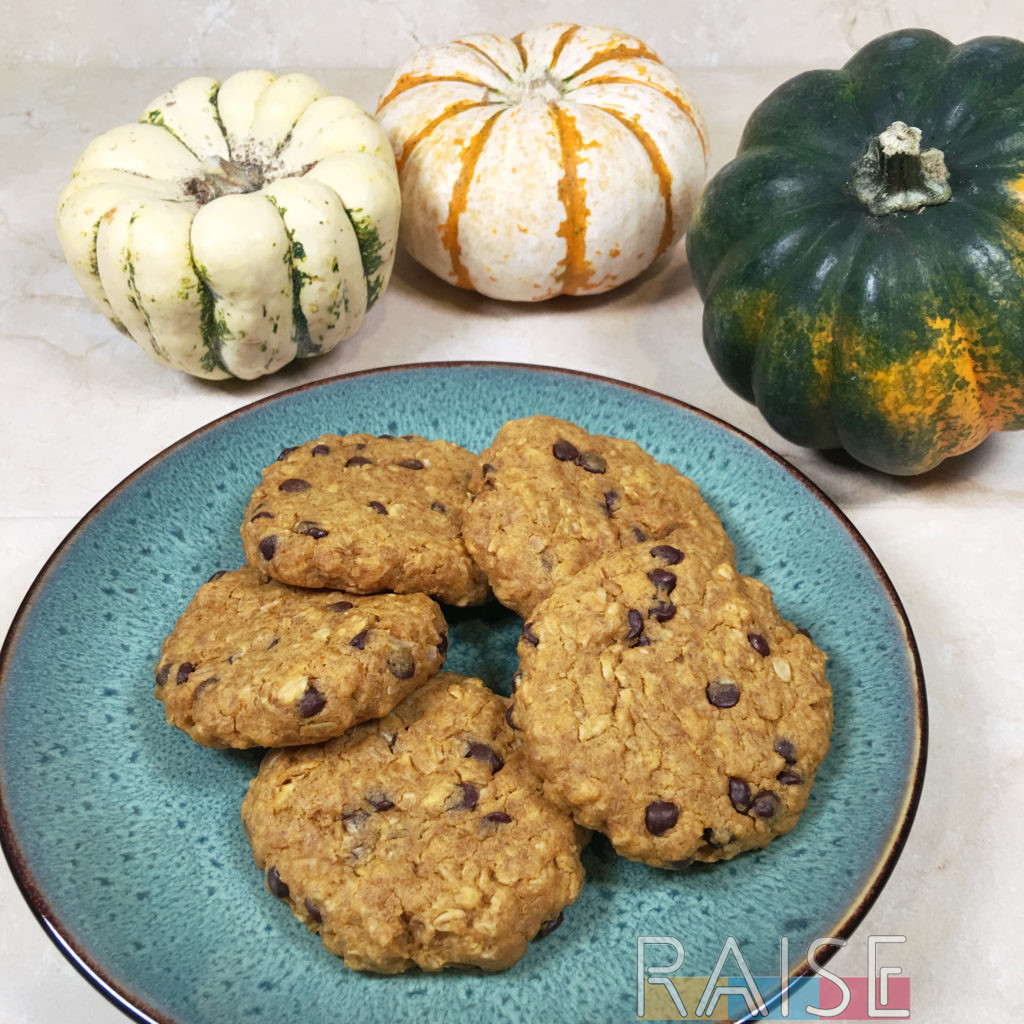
[{"x": 125, "y": 836}]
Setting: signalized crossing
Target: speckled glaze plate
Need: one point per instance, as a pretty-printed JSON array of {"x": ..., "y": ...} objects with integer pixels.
[{"x": 125, "y": 836}]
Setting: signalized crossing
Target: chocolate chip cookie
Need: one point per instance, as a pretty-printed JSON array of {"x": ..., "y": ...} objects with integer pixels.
[
  {"x": 548, "y": 497},
  {"x": 419, "y": 840},
  {"x": 254, "y": 662},
  {"x": 667, "y": 704},
  {"x": 366, "y": 514}
]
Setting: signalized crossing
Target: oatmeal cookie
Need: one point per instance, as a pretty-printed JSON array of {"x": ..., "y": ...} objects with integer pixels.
[
  {"x": 549, "y": 497},
  {"x": 254, "y": 662},
  {"x": 420, "y": 840},
  {"x": 366, "y": 514},
  {"x": 666, "y": 703}
]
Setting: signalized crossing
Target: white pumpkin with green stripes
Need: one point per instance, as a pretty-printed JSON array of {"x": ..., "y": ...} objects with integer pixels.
[{"x": 238, "y": 226}]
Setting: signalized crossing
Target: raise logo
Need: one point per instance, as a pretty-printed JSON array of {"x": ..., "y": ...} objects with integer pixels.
[{"x": 732, "y": 992}]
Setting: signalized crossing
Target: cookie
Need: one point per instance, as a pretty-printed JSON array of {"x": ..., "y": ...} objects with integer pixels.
[
  {"x": 667, "y": 704},
  {"x": 253, "y": 662},
  {"x": 549, "y": 497},
  {"x": 366, "y": 514},
  {"x": 419, "y": 840}
]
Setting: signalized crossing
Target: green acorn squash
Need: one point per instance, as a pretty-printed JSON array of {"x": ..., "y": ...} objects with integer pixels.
[{"x": 861, "y": 260}]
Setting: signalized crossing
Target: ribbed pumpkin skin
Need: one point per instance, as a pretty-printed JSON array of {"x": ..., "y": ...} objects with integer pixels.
[
  {"x": 899, "y": 337},
  {"x": 239, "y": 225},
  {"x": 564, "y": 161}
]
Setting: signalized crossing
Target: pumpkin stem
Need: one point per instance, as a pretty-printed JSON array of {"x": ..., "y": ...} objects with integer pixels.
[
  {"x": 220, "y": 177},
  {"x": 894, "y": 175}
]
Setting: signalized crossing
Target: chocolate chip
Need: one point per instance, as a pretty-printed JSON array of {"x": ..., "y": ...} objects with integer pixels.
[
  {"x": 660, "y": 816},
  {"x": 311, "y": 908},
  {"x": 564, "y": 451},
  {"x": 359, "y": 460},
  {"x": 639, "y": 535},
  {"x": 275, "y": 885},
  {"x": 663, "y": 580},
  {"x": 340, "y": 606},
  {"x": 785, "y": 749},
  {"x": 716, "y": 837},
  {"x": 529, "y": 636},
  {"x": 467, "y": 798},
  {"x": 636, "y": 624},
  {"x": 482, "y": 752},
  {"x": 354, "y": 820},
  {"x": 203, "y": 685},
  {"x": 498, "y": 817},
  {"x": 185, "y": 669},
  {"x": 273, "y": 642},
  {"x": 307, "y": 529},
  {"x": 379, "y": 802},
  {"x": 439, "y": 507},
  {"x": 294, "y": 485},
  {"x": 722, "y": 693},
  {"x": 611, "y": 501},
  {"x": 262, "y": 515},
  {"x": 285, "y": 452},
  {"x": 311, "y": 703},
  {"x": 359, "y": 640},
  {"x": 547, "y": 927},
  {"x": 661, "y": 611},
  {"x": 766, "y": 805},
  {"x": 378, "y": 508},
  {"x": 739, "y": 794},
  {"x": 411, "y": 464},
  {"x": 217, "y": 575},
  {"x": 162, "y": 674},
  {"x": 668, "y": 554},
  {"x": 592, "y": 462},
  {"x": 759, "y": 643},
  {"x": 401, "y": 664},
  {"x": 487, "y": 469},
  {"x": 268, "y": 547},
  {"x": 442, "y": 645},
  {"x": 789, "y": 778},
  {"x": 508, "y": 717},
  {"x": 320, "y": 449}
]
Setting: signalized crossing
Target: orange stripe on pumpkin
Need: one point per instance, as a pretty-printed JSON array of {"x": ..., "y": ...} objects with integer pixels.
[
  {"x": 563, "y": 41},
  {"x": 669, "y": 94},
  {"x": 413, "y": 81},
  {"x": 661, "y": 170},
  {"x": 634, "y": 50},
  {"x": 576, "y": 270},
  {"x": 460, "y": 197},
  {"x": 417, "y": 137}
]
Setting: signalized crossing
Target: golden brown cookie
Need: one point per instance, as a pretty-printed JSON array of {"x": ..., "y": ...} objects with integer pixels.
[
  {"x": 667, "y": 704},
  {"x": 421, "y": 839},
  {"x": 366, "y": 514},
  {"x": 253, "y": 662},
  {"x": 549, "y": 497}
]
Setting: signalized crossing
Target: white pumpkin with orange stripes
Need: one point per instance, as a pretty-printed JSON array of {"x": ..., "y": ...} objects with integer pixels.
[{"x": 564, "y": 161}]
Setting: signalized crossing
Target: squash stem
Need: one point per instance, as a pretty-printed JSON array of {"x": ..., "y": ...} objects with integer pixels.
[{"x": 894, "y": 175}]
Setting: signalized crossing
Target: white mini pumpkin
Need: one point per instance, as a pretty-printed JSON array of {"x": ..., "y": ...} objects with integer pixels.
[
  {"x": 563, "y": 161},
  {"x": 238, "y": 226}
]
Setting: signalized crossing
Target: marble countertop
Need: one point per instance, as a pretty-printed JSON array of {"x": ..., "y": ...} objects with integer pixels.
[{"x": 81, "y": 407}]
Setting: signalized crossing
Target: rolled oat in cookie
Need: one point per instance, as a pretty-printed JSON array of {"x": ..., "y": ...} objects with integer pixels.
[
  {"x": 549, "y": 497},
  {"x": 366, "y": 514},
  {"x": 666, "y": 703},
  {"x": 254, "y": 662},
  {"x": 422, "y": 839}
]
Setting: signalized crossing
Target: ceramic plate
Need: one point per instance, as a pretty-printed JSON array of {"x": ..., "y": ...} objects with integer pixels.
[{"x": 125, "y": 836}]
